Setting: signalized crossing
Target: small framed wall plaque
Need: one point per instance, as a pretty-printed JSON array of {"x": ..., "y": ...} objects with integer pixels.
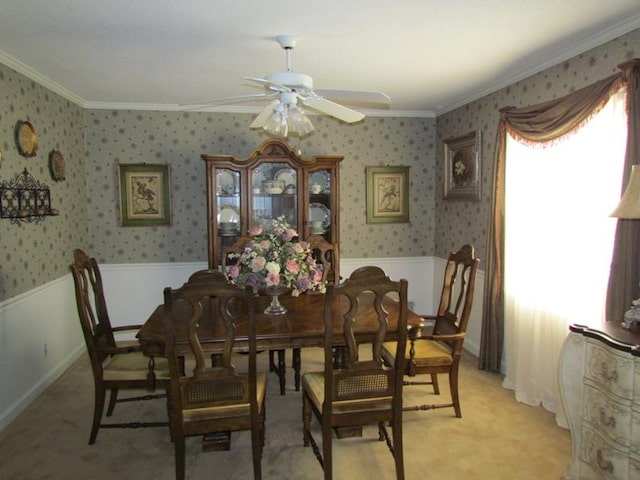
[
  {"x": 56, "y": 165},
  {"x": 145, "y": 194},
  {"x": 26, "y": 139},
  {"x": 462, "y": 167}
]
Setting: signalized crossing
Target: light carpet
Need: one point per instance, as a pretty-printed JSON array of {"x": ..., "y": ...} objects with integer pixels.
[{"x": 496, "y": 438}]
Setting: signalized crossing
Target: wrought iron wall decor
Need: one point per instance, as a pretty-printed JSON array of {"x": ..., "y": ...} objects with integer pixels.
[{"x": 25, "y": 199}]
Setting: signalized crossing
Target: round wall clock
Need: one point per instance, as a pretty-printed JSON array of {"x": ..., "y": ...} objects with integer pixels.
[
  {"x": 56, "y": 165},
  {"x": 26, "y": 139}
]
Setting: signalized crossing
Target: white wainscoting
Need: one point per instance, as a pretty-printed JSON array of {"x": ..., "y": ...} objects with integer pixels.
[{"x": 40, "y": 336}]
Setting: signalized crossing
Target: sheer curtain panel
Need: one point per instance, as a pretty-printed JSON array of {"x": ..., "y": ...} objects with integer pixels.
[
  {"x": 558, "y": 245},
  {"x": 544, "y": 123}
]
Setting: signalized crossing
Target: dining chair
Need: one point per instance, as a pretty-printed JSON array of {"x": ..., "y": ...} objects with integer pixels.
[
  {"x": 328, "y": 255},
  {"x": 230, "y": 254},
  {"x": 218, "y": 399},
  {"x": 436, "y": 342},
  {"x": 116, "y": 364},
  {"x": 363, "y": 390}
]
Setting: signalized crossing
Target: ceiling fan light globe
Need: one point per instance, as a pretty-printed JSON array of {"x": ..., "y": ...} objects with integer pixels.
[
  {"x": 299, "y": 123},
  {"x": 277, "y": 123}
]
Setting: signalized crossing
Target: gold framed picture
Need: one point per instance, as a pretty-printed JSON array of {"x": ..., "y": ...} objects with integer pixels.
[
  {"x": 145, "y": 194},
  {"x": 387, "y": 194},
  {"x": 462, "y": 167}
]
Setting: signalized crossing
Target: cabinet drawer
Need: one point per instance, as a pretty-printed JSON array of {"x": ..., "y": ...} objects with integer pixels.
[
  {"x": 613, "y": 372},
  {"x": 635, "y": 434},
  {"x": 600, "y": 459},
  {"x": 636, "y": 383},
  {"x": 611, "y": 418},
  {"x": 634, "y": 469}
]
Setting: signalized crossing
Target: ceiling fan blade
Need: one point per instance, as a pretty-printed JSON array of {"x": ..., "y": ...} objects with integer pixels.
[
  {"x": 269, "y": 83},
  {"x": 355, "y": 96},
  {"x": 264, "y": 115},
  {"x": 235, "y": 99},
  {"x": 334, "y": 109}
]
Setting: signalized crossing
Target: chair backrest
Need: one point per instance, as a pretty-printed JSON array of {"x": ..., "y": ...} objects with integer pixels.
[
  {"x": 207, "y": 292},
  {"x": 366, "y": 291},
  {"x": 327, "y": 255},
  {"x": 92, "y": 307},
  {"x": 458, "y": 288}
]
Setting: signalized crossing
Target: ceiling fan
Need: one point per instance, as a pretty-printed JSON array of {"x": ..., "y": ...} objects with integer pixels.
[{"x": 288, "y": 91}]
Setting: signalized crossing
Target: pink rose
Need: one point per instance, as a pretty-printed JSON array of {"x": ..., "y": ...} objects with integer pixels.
[
  {"x": 255, "y": 231},
  {"x": 272, "y": 279},
  {"x": 292, "y": 266}
]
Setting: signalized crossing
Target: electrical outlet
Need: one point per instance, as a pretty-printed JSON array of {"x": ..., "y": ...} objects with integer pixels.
[{"x": 45, "y": 350}]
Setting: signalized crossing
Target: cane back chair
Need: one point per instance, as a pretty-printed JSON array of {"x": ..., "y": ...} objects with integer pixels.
[
  {"x": 217, "y": 399},
  {"x": 363, "y": 390}
]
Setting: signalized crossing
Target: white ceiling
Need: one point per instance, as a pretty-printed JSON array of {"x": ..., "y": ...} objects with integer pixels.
[{"x": 429, "y": 56}]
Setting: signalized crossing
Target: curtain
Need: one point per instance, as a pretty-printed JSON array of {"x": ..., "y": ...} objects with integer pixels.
[
  {"x": 548, "y": 122},
  {"x": 558, "y": 244}
]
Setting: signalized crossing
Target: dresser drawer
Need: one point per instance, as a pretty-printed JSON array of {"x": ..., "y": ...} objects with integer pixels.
[
  {"x": 610, "y": 371},
  {"x": 600, "y": 459},
  {"x": 611, "y": 418},
  {"x": 634, "y": 448},
  {"x": 636, "y": 383},
  {"x": 634, "y": 469}
]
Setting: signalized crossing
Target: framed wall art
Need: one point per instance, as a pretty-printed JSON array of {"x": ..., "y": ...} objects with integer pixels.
[
  {"x": 387, "y": 194},
  {"x": 145, "y": 194},
  {"x": 462, "y": 167}
]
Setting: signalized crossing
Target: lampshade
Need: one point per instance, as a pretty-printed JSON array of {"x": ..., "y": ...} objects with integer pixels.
[
  {"x": 629, "y": 206},
  {"x": 287, "y": 120}
]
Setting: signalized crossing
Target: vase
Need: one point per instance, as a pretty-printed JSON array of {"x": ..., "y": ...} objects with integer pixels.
[{"x": 275, "y": 307}]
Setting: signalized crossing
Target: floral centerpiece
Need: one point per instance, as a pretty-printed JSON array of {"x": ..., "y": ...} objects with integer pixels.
[{"x": 274, "y": 262}]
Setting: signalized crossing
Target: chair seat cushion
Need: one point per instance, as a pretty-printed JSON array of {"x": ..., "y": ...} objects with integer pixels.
[
  {"x": 133, "y": 366},
  {"x": 427, "y": 353},
  {"x": 313, "y": 385},
  {"x": 228, "y": 411}
]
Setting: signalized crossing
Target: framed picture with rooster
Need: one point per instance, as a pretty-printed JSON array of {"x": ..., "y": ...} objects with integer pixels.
[
  {"x": 387, "y": 194},
  {"x": 145, "y": 194}
]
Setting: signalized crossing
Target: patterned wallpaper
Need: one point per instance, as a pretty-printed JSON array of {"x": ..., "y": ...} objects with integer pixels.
[
  {"x": 460, "y": 222},
  {"x": 180, "y": 138},
  {"x": 34, "y": 254}
]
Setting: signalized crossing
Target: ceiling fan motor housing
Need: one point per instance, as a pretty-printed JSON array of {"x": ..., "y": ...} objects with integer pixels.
[{"x": 293, "y": 80}]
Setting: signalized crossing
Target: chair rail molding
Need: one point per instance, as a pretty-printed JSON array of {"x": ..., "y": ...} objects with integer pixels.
[{"x": 35, "y": 352}]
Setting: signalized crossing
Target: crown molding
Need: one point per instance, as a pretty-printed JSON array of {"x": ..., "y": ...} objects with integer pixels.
[
  {"x": 32, "y": 74},
  {"x": 594, "y": 41}
]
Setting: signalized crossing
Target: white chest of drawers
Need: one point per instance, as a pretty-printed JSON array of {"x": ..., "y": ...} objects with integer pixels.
[{"x": 599, "y": 375}]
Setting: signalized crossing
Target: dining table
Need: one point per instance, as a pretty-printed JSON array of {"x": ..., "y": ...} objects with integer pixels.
[{"x": 302, "y": 325}]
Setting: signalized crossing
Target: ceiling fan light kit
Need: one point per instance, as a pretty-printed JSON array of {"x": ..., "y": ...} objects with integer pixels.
[{"x": 289, "y": 91}]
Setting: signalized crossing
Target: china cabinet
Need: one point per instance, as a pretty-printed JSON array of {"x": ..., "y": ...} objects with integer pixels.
[
  {"x": 273, "y": 181},
  {"x": 600, "y": 389}
]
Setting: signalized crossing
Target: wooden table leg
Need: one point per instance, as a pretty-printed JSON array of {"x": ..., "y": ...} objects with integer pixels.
[{"x": 296, "y": 364}]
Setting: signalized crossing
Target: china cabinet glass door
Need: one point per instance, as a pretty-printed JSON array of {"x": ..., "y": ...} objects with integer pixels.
[
  {"x": 319, "y": 192},
  {"x": 274, "y": 194}
]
